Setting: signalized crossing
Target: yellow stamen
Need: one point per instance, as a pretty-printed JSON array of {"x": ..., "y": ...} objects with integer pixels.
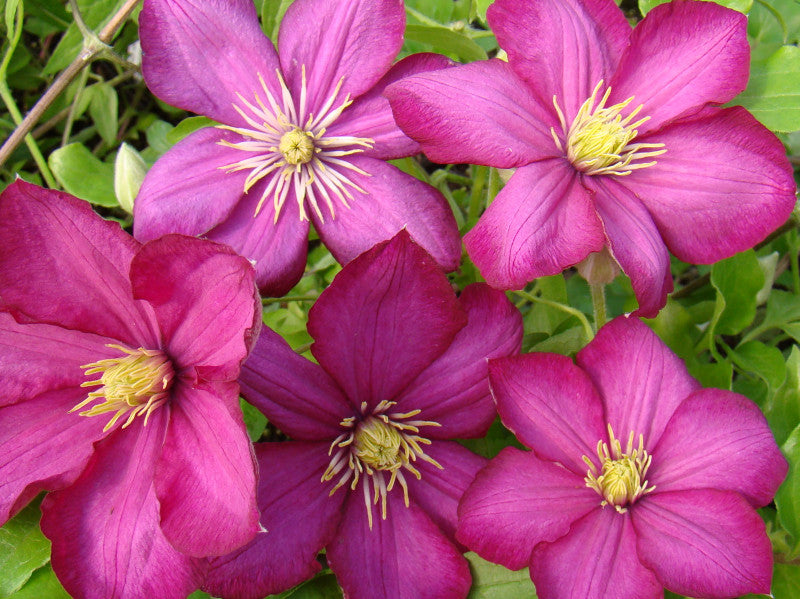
[{"x": 297, "y": 147}]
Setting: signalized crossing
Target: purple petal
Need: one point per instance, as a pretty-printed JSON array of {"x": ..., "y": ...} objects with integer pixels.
[
  {"x": 480, "y": 113},
  {"x": 542, "y": 222},
  {"x": 299, "y": 516},
  {"x": 561, "y": 47},
  {"x": 641, "y": 381},
  {"x": 596, "y": 560},
  {"x": 295, "y": 394},
  {"x": 682, "y": 56},
  {"x": 386, "y": 317},
  {"x": 188, "y": 189},
  {"x": 371, "y": 116},
  {"x": 354, "y": 41},
  {"x": 719, "y": 440},
  {"x": 405, "y": 555},
  {"x": 550, "y": 405},
  {"x": 105, "y": 528},
  {"x": 62, "y": 264},
  {"x": 199, "y": 54},
  {"x": 517, "y": 502},
  {"x": 454, "y": 390},
  {"x": 394, "y": 201},
  {"x": 635, "y": 243},
  {"x": 704, "y": 543},
  {"x": 722, "y": 186}
]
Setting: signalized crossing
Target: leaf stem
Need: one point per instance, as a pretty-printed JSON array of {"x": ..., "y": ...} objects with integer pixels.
[
  {"x": 598, "y": 304},
  {"x": 587, "y": 327}
]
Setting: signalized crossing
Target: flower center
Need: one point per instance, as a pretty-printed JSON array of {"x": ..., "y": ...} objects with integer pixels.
[
  {"x": 135, "y": 383},
  {"x": 600, "y": 141},
  {"x": 374, "y": 444},
  {"x": 297, "y": 147},
  {"x": 621, "y": 479}
]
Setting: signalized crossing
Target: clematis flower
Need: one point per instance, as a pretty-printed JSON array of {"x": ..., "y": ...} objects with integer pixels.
[
  {"x": 371, "y": 473},
  {"x": 620, "y": 148},
  {"x": 639, "y": 479},
  {"x": 304, "y": 137},
  {"x": 119, "y": 395}
]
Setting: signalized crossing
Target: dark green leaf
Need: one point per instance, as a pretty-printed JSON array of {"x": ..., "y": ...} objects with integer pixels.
[
  {"x": 787, "y": 499},
  {"x": 447, "y": 41},
  {"x": 786, "y": 581},
  {"x": 254, "y": 420},
  {"x": 83, "y": 174}
]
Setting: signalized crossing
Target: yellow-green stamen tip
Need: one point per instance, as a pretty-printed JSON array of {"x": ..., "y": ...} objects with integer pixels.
[{"x": 297, "y": 147}]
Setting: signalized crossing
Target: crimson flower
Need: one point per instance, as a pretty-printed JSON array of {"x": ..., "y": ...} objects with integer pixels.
[
  {"x": 639, "y": 479},
  {"x": 119, "y": 395},
  {"x": 372, "y": 474},
  {"x": 617, "y": 137},
  {"x": 304, "y": 137}
]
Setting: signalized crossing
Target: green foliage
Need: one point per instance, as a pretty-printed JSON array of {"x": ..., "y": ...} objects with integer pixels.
[
  {"x": 23, "y": 549},
  {"x": 773, "y": 93},
  {"x": 490, "y": 581},
  {"x": 645, "y": 6},
  {"x": 787, "y": 499},
  {"x": 83, "y": 175}
]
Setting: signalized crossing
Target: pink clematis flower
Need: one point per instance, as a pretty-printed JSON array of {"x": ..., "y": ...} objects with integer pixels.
[
  {"x": 119, "y": 395},
  {"x": 639, "y": 479},
  {"x": 371, "y": 473},
  {"x": 304, "y": 137},
  {"x": 616, "y": 134}
]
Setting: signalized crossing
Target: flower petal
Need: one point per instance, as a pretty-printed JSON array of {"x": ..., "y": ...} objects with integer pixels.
[
  {"x": 517, "y": 502},
  {"x": 561, "y": 47},
  {"x": 105, "y": 530},
  {"x": 722, "y": 186},
  {"x": 704, "y": 543},
  {"x": 199, "y": 54},
  {"x": 63, "y": 264},
  {"x": 405, "y": 555},
  {"x": 299, "y": 516},
  {"x": 641, "y": 381},
  {"x": 351, "y": 40},
  {"x": 294, "y": 393},
  {"x": 454, "y": 390},
  {"x": 371, "y": 116},
  {"x": 682, "y": 56},
  {"x": 394, "y": 200},
  {"x": 205, "y": 477},
  {"x": 719, "y": 440},
  {"x": 550, "y": 405},
  {"x": 542, "y": 222},
  {"x": 385, "y": 317},
  {"x": 597, "y": 559},
  {"x": 480, "y": 113}
]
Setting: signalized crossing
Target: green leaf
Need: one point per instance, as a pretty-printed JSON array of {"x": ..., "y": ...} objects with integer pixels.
[
  {"x": 43, "y": 584},
  {"x": 104, "y": 108},
  {"x": 787, "y": 499},
  {"x": 737, "y": 281},
  {"x": 783, "y": 408},
  {"x": 491, "y": 581},
  {"x": 762, "y": 360},
  {"x": 23, "y": 549},
  {"x": 786, "y": 581},
  {"x": 186, "y": 127},
  {"x": 83, "y": 174},
  {"x": 323, "y": 586},
  {"x": 645, "y": 6},
  {"x": 129, "y": 171},
  {"x": 157, "y": 134},
  {"x": 272, "y": 12},
  {"x": 717, "y": 375},
  {"x": 254, "y": 420},
  {"x": 11, "y": 17},
  {"x": 447, "y": 41},
  {"x": 773, "y": 93}
]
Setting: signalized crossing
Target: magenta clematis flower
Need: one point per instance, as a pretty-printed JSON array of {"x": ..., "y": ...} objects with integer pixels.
[
  {"x": 371, "y": 473},
  {"x": 119, "y": 395},
  {"x": 616, "y": 134},
  {"x": 304, "y": 135},
  {"x": 638, "y": 479}
]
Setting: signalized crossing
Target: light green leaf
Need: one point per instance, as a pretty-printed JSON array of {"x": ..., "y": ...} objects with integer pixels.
[
  {"x": 23, "y": 549},
  {"x": 717, "y": 375},
  {"x": 787, "y": 499},
  {"x": 783, "y": 408},
  {"x": 764, "y": 361},
  {"x": 129, "y": 171},
  {"x": 254, "y": 420},
  {"x": 84, "y": 175},
  {"x": 10, "y": 16},
  {"x": 104, "y": 108},
  {"x": 186, "y": 127},
  {"x": 156, "y": 135},
  {"x": 768, "y": 265},
  {"x": 42, "y": 584},
  {"x": 786, "y": 581},
  {"x": 645, "y": 6},
  {"x": 490, "y": 581},
  {"x": 737, "y": 281},
  {"x": 773, "y": 93},
  {"x": 447, "y": 41},
  {"x": 272, "y": 12}
]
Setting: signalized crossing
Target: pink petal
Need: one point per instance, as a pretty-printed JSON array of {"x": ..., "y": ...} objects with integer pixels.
[
  {"x": 205, "y": 301},
  {"x": 295, "y": 394},
  {"x": 517, "y": 502},
  {"x": 704, "y": 543},
  {"x": 719, "y": 440},
  {"x": 371, "y": 116},
  {"x": 542, "y": 222},
  {"x": 404, "y": 556},
  {"x": 641, "y": 381},
  {"x": 205, "y": 477},
  {"x": 42, "y": 446},
  {"x": 723, "y": 185},
  {"x": 596, "y": 560},
  {"x": 394, "y": 201},
  {"x": 454, "y": 390},
  {"x": 635, "y": 243},
  {"x": 199, "y": 54},
  {"x": 105, "y": 528},
  {"x": 62, "y": 264},
  {"x": 480, "y": 113},
  {"x": 387, "y": 315},
  {"x": 299, "y": 516},
  {"x": 682, "y": 56},
  {"x": 550, "y": 405},
  {"x": 561, "y": 47},
  {"x": 187, "y": 190}
]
